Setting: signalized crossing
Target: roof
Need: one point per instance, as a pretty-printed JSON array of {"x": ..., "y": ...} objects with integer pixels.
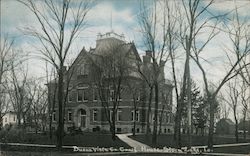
[{"x": 228, "y": 121}]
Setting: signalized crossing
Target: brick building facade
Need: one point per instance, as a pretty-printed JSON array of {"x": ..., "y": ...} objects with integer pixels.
[{"x": 83, "y": 107}]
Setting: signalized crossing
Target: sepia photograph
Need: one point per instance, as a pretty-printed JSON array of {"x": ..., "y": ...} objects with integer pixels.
[{"x": 124, "y": 77}]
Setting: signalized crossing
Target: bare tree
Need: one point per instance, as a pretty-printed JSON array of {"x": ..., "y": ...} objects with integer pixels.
[
  {"x": 59, "y": 24},
  {"x": 51, "y": 96},
  {"x": 189, "y": 31},
  {"x": 161, "y": 118},
  {"x": 110, "y": 71},
  {"x": 225, "y": 110},
  {"x": 193, "y": 13},
  {"x": 39, "y": 104},
  {"x": 5, "y": 57},
  {"x": 17, "y": 93},
  {"x": 8, "y": 58},
  {"x": 244, "y": 98},
  {"x": 233, "y": 102},
  {"x": 154, "y": 30},
  {"x": 135, "y": 91},
  {"x": 145, "y": 72}
]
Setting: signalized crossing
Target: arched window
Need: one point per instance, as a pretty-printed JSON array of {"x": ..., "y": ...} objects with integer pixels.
[
  {"x": 82, "y": 115},
  {"x": 83, "y": 112}
]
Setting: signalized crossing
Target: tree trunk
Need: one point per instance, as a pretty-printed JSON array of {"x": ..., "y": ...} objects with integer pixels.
[
  {"x": 113, "y": 127},
  {"x": 149, "y": 110},
  {"x": 236, "y": 126},
  {"x": 35, "y": 116},
  {"x": 162, "y": 112},
  {"x": 50, "y": 126},
  {"x": 244, "y": 127},
  {"x": 52, "y": 110},
  {"x": 154, "y": 137},
  {"x": 60, "y": 109},
  {"x": 211, "y": 101},
  {"x": 177, "y": 126},
  {"x": 24, "y": 121},
  {"x": 18, "y": 119}
]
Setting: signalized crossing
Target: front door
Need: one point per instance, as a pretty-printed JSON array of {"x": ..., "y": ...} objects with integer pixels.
[{"x": 82, "y": 117}]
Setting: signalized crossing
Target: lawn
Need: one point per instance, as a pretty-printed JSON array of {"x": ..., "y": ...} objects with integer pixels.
[
  {"x": 83, "y": 140},
  {"x": 167, "y": 140},
  {"x": 234, "y": 149}
]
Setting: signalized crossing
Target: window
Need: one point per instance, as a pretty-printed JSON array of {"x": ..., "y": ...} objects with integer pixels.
[
  {"x": 85, "y": 95},
  {"x": 120, "y": 98},
  {"x": 112, "y": 95},
  {"x": 69, "y": 115},
  {"x": 167, "y": 118},
  {"x": 6, "y": 119},
  {"x": 54, "y": 115},
  {"x": 80, "y": 95},
  {"x": 152, "y": 118},
  {"x": 70, "y": 96},
  {"x": 118, "y": 130},
  {"x": 95, "y": 94},
  {"x": 132, "y": 115},
  {"x": 94, "y": 115},
  {"x": 14, "y": 118},
  {"x": 83, "y": 118},
  {"x": 82, "y": 69},
  {"x": 169, "y": 131},
  {"x": 119, "y": 115},
  {"x": 135, "y": 115},
  {"x": 138, "y": 96},
  {"x": 138, "y": 130}
]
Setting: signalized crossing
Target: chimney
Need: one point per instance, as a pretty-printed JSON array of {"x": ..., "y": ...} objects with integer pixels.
[
  {"x": 149, "y": 53},
  {"x": 147, "y": 57}
]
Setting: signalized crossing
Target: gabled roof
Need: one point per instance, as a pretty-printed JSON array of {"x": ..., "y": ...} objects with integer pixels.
[
  {"x": 228, "y": 121},
  {"x": 79, "y": 57},
  {"x": 105, "y": 46}
]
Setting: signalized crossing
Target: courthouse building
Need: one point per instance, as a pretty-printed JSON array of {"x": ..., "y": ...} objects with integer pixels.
[{"x": 84, "y": 109}]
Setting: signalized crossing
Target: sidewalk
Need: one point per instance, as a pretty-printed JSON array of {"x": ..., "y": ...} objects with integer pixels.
[{"x": 131, "y": 142}]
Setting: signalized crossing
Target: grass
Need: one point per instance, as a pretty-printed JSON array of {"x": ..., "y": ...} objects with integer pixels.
[
  {"x": 82, "y": 140},
  {"x": 168, "y": 141},
  {"x": 234, "y": 149}
]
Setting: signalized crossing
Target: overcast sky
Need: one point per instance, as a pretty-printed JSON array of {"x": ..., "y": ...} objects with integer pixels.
[{"x": 15, "y": 16}]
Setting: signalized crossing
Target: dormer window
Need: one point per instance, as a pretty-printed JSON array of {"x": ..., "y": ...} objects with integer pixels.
[{"x": 83, "y": 69}]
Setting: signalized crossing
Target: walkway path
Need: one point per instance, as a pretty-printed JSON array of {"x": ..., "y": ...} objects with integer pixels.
[
  {"x": 131, "y": 142},
  {"x": 224, "y": 145}
]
